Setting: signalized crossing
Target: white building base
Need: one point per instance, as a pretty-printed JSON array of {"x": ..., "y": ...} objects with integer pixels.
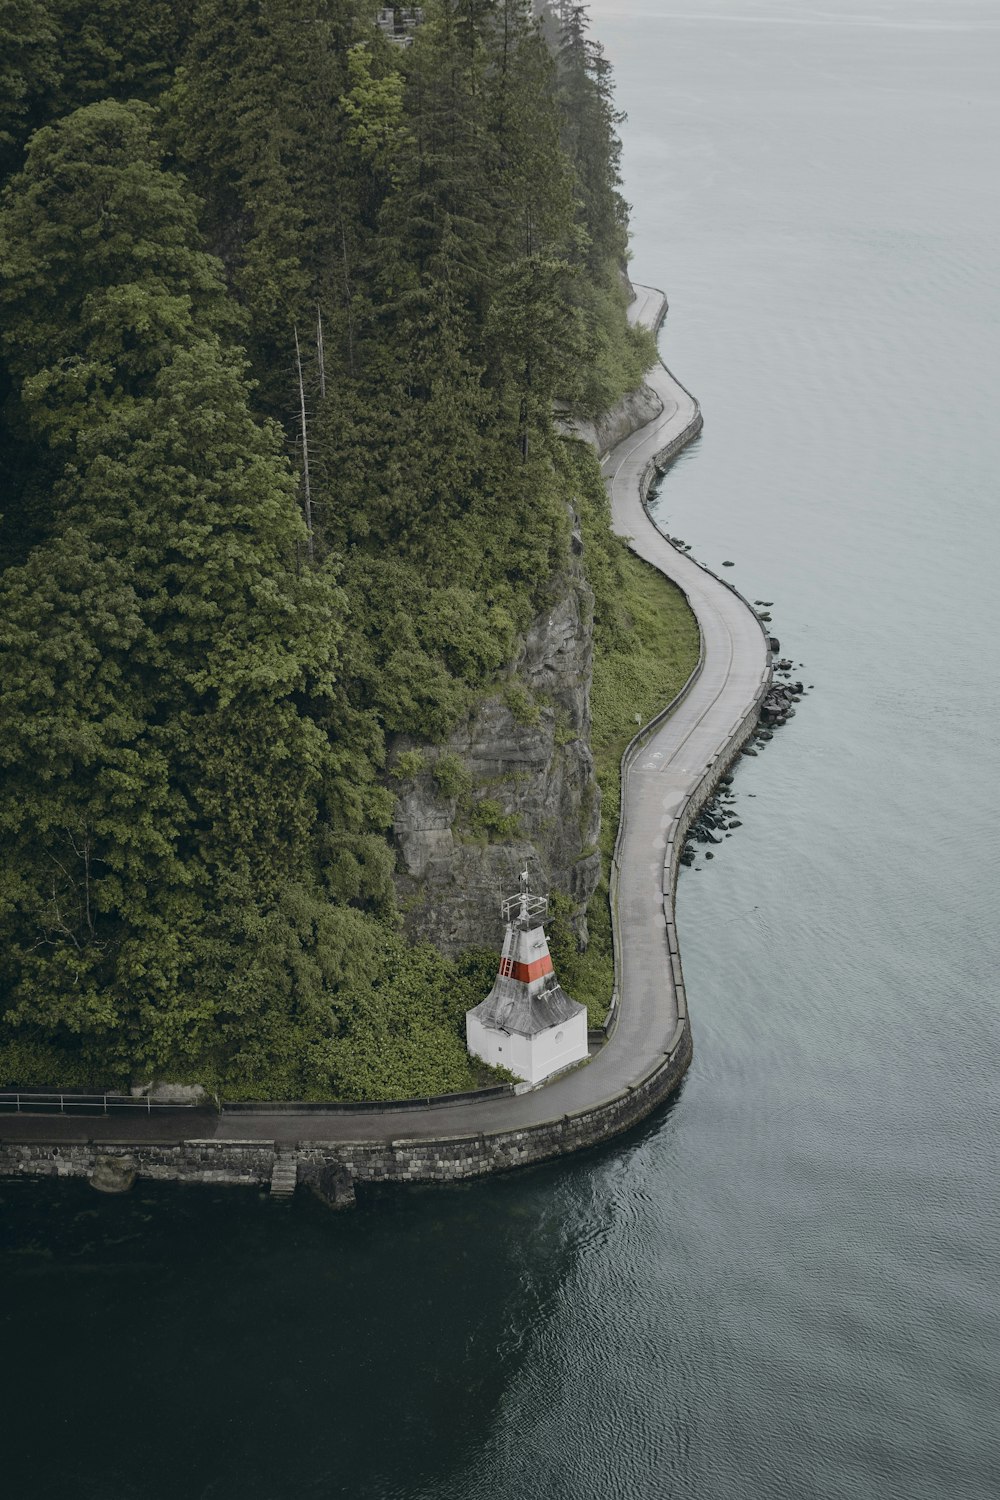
[{"x": 530, "y": 1058}]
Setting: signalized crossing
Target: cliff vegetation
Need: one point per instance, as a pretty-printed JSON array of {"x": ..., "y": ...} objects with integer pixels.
[{"x": 285, "y": 305}]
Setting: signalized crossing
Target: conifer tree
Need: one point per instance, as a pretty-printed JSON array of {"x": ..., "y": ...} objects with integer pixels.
[
  {"x": 254, "y": 117},
  {"x": 166, "y": 661},
  {"x": 590, "y": 120},
  {"x": 56, "y": 55},
  {"x": 194, "y": 712},
  {"x": 28, "y": 68},
  {"x": 103, "y": 276}
]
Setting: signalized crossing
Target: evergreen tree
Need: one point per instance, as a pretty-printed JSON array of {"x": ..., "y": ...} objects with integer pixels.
[
  {"x": 56, "y": 55},
  {"x": 589, "y": 135},
  {"x": 193, "y": 712},
  {"x": 102, "y": 274},
  {"x": 28, "y": 69},
  {"x": 166, "y": 660},
  {"x": 254, "y": 116}
]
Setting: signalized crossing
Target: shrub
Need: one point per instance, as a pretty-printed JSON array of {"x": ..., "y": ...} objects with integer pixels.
[
  {"x": 451, "y": 776},
  {"x": 521, "y": 704}
]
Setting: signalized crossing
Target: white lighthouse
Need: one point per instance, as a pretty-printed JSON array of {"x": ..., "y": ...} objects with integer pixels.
[{"x": 527, "y": 1023}]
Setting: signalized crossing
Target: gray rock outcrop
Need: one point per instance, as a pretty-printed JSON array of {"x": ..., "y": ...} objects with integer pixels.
[
  {"x": 530, "y": 798},
  {"x": 165, "y": 1093},
  {"x": 627, "y": 416}
]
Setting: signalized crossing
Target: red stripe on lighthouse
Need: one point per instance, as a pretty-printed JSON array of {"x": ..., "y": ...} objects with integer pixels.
[{"x": 527, "y": 972}]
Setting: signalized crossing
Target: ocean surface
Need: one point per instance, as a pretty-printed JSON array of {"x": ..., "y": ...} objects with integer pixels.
[{"x": 787, "y": 1283}]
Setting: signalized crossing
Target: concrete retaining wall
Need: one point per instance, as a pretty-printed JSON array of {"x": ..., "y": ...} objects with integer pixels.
[{"x": 448, "y": 1159}]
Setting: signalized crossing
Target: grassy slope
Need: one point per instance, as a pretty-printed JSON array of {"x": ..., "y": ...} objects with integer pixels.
[{"x": 643, "y": 655}]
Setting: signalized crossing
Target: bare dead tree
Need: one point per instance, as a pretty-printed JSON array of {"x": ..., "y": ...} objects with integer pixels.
[
  {"x": 348, "y": 301},
  {"x": 69, "y": 910},
  {"x": 307, "y": 497},
  {"x": 320, "y": 355},
  {"x": 83, "y": 855}
]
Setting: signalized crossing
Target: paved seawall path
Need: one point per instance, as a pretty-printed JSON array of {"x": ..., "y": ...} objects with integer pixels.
[{"x": 675, "y": 764}]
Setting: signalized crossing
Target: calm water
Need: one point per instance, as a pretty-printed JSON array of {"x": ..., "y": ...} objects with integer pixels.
[{"x": 787, "y": 1285}]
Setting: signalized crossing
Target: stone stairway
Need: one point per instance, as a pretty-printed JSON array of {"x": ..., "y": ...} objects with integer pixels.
[{"x": 284, "y": 1175}]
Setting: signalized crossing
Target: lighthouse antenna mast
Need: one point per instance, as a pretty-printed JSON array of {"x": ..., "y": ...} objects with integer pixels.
[{"x": 524, "y": 906}]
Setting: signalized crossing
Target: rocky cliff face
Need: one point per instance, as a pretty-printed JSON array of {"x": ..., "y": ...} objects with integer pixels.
[
  {"x": 514, "y": 785},
  {"x": 512, "y": 788},
  {"x": 603, "y": 432}
]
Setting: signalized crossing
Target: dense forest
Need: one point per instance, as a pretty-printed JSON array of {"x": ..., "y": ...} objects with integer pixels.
[{"x": 286, "y": 299}]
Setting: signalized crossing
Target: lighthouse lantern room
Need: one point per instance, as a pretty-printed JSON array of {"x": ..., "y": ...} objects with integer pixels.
[{"x": 527, "y": 1023}]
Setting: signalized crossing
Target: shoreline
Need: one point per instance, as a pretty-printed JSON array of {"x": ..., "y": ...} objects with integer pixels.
[{"x": 668, "y": 772}]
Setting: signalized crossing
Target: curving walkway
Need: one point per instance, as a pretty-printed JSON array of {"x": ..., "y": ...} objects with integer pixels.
[{"x": 663, "y": 776}]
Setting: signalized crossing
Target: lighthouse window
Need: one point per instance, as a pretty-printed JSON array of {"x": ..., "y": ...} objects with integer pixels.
[{"x": 559, "y": 1037}]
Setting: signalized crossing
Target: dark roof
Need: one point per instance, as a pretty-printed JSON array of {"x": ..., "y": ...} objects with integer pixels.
[{"x": 507, "y": 1007}]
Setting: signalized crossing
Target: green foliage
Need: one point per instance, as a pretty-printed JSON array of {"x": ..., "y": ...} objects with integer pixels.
[
  {"x": 520, "y": 702},
  {"x": 618, "y": 355},
  {"x": 451, "y": 776},
  {"x": 589, "y": 122},
  {"x": 195, "y": 877},
  {"x": 587, "y": 976},
  {"x": 646, "y": 646},
  {"x": 652, "y": 650},
  {"x": 406, "y": 1033},
  {"x": 165, "y": 664},
  {"x": 60, "y": 54},
  {"x": 488, "y": 820},
  {"x": 28, "y": 68},
  {"x": 409, "y": 764},
  {"x": 31, "y": 1061},
  {"x": 373, "y": 111},
  {"x": 102, "y": 277},
  {"x": 401, "y": 1036}
]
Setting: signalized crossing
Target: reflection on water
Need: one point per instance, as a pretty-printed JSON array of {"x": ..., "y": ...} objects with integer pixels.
[{"x": 202, "y": 1342}]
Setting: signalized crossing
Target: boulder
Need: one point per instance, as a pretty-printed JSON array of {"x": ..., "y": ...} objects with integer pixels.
[
  {"x": 332, "y": 1185},
  {"x": 165, "y": 1092},
  {"x": 112, "y": 1173}
]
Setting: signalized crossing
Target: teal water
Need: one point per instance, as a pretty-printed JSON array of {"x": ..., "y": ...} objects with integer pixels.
[{"x": 787, "y": 1284}]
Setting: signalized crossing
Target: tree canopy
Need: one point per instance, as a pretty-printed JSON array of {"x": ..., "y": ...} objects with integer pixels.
[{"x": 228, "y": 230}]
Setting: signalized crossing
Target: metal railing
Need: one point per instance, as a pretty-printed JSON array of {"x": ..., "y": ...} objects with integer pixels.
[
  {"x": 361, "y": 1106},
  {"x": 27, "y": 1101}
]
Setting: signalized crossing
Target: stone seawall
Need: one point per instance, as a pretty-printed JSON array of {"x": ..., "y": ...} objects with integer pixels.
[
  {"x": 447, "y": 1159},
  {"x": 454, "y": 1157},
  {"x": 212, "y": 1163}
]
